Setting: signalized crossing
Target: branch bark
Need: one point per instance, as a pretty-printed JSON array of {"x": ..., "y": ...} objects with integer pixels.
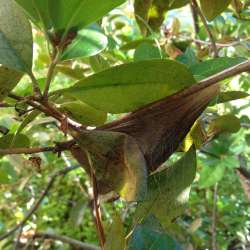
[
  {"x": 39, "y": 201},
  {"x": 56, "y": 149},
  {"x": 74, "y": 243}
]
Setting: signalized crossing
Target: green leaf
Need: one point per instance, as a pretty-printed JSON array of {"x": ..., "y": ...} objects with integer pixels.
[
  {"x": 15, "y": 37},
  {"x": 37, "y": 10},
  {"x": 77, "y": 213},
  {"x": 146, "y": 51},
  {"x": 98, "y": 63},
  {"x": 210, "y": 67},
  {"x": 8, "y": 80},
  {"x": 126, "y": 87},
  {"x": 230, "y": 96},
  {"x": 84, "y": 113},
  {"x": 134, "y": 44},
  {"x": 27, "y": 120},
  {"x": 210, "y": 175},
  {"x": 113, "y": 154},
  {"x": 15, "y": 46},
  {"x": 226, "y": 123},
  {"x": 8, "y": 174},
  {"x": 150, "y": 235},
  {"x": 168, "y": 190},
  {"x": 75, "y": 73},
  {"x": 79, "y": 13},
  {"x": 118, "y": 242},
  {"x": 87, "y": 43},
  {"x": 213, "y": 8}
]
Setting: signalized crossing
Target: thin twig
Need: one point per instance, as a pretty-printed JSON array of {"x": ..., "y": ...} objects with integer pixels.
[
  {"x": 74, "y": 243},
  {"x": 51, "y": 70},
  {"x": 214, "y": 215},
  {"x": 48, "y": 110},
  {"x": 36, "y": 89},
  {"x": 39, "y": 201},
  {"x": 196, "y": 24},
  {"x": 222, "y": 45},
  {"x": 19, "y": 234},
  {"x": 6, "y": 105},
  {"x": 227, "y": 73},
  {"x": 16, "y": 151},
  {"x": 63, "y": 146},
  {"x": 204, "y": 21},
  {"x": 96, "y": 207}
]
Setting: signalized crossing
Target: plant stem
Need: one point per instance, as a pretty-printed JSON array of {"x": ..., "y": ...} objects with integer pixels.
[
  {"x": 96, "y": 207},
  {"x": 52, "y": 66},
  {"x": 56, "y": 149},
  {"x": 204, "y": 21},
  {"x": 74, "y": 243},
  {"x": 36, "y": 89},
  {"x": 214, "y": 215}
]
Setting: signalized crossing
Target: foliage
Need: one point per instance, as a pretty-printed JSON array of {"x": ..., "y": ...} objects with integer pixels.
[{"x": 114, "y": 132}]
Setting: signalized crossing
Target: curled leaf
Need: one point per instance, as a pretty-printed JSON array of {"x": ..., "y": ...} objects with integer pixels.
[{"x": 117, "y": 162}]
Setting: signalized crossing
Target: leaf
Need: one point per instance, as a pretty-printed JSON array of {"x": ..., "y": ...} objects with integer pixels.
[
  {"x": 160, "y": 127},
  {"x": 84, "y": 113},
  {"x": 27, "y": 120},
  {"x": 37, "y": 10},
  {"x": 117, "y": 229},
  {"x": 152, "y": 12},
  {"x": 210, "y": 175},
  {"x": 188, "y": 58},
  {"x": 150, "y": 235},
  {"x": 126, "y": 87},
  {"x": 168, "y": 190},
  {"x": 210, "y": 67},
  {"x": 78, "y": 13},
  {"x": 8, "y": 80},
  {"x": 15, "y": 46},
  {"x": 98, "y": 63},
  {"x": 15, "y": 37},
  {"x": 77, "y": 213},
  {"x": 87, "y": 43},
  {"x": 134, "y": 44},
  {"x": 195, "y": 136},
  {"x": 8, "y": 174},
  {"x": 146, "y": 51},
  {"x": 226, "y": 123},
  {"x": 75, "y": 73},
  {"x": 113, "y": 154},
  {"x": 230, "y": 96},
  {"x": 213, "y": 8}
]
